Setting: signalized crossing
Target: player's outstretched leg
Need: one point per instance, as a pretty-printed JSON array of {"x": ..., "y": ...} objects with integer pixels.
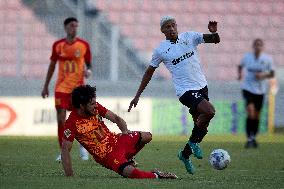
[{"x": 132, "y": 172}]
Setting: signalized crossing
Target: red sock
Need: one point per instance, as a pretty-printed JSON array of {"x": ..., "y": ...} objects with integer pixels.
[
  {"x": 60, "y": 135},
  {"x": 138, "y": 174}
]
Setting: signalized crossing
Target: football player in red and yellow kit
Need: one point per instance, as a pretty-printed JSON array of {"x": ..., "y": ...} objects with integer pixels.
[
  {"x": 73, "y": 56},
  {"x": 112, "y": 151}
]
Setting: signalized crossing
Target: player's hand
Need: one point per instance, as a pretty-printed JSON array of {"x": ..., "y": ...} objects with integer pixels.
[
  {"x": 261, "y": 75},
  {"x": 212, "y": 26},
  {"x": 87, "y": 73},
  {"x": 239, "y": 77},
  {"x": 45, "y": 92},
  {"x": 134, "y": 103}
]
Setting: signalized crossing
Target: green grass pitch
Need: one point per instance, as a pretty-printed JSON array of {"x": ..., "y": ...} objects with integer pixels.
[{"x": 29, "y": 162}]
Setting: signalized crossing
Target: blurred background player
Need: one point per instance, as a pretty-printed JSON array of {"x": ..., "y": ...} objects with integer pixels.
[
  {"x": 179, "y": 54},
  {"x": 258, "y": 68},
  {"x": 112, "y": 151},
  {"x": 72, "y": 54}
]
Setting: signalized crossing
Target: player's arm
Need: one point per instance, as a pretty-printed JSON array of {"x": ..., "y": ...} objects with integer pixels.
[
  {"x": 240, "y": 71},
  {"x": 66, "y": 158},
  {"x": 118, "y": 121},
  {"x": 213, "y": 37},
  {"x": 265, "y": 75},
  {"x": 49, "y": 74},
  {"x": 268, "y": 74},
  {"x": 145, "y": 80},
  {"x": 88, "y": 58}
]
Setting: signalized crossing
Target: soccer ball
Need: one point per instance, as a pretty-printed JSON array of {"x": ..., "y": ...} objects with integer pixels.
[{"x": 219, "y": 159}]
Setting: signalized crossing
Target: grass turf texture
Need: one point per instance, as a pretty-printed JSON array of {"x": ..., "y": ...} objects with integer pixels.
[{"x": 29, "y": 162}]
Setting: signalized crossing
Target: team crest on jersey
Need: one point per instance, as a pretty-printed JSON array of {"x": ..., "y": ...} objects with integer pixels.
[
  {"x": 98, "y": 117},
  {"x": 77, "y": 53},
  {"x": 67, "y": 133},
  {"x": 185, "y": 42}
]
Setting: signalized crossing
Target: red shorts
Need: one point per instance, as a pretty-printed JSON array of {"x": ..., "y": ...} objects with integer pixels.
[
  {"x": 126, "y": 148},
  {"x": 63, "y": 101}
]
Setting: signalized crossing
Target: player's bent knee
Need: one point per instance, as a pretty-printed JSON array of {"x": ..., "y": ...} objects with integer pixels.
[
  {"x": 211, "y": 113},
  {"x": 127, "y": 171},
  {"x": 252, "y": 114},
  {"x": 146, "y": 137}
]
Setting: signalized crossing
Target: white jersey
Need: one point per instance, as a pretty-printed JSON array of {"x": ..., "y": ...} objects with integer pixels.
[
  {"x": 252, "y": 65},
  {"x": 181, "y": 59}
]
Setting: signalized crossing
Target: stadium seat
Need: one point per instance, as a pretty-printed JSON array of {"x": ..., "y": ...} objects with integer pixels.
[
  {"x": 25, "y": 40},
  {"x": 239, "y": 24}
]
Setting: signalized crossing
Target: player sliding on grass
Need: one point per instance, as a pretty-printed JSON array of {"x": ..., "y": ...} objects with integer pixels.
[
  {"x": 179, "y": 54},
  {"x": 112, "y": 151}
]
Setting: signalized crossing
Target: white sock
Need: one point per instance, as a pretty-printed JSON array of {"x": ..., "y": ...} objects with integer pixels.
[{"x": 83, "y": 151}]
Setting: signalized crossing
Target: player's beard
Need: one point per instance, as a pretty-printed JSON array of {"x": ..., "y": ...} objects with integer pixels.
[{"x": 89, "y": 113}]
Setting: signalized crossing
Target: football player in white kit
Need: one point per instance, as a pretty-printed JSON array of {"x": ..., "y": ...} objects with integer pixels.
[
  {"x": 258, "y": 67},
  {"x": 179, "y": 54}
]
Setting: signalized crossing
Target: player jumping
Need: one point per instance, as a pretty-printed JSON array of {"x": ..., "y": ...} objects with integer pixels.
[
  {"x": 258, "y": 67},
  {"x": 112, "y": 151},
  {"x": 179, "y": 54},
  {"x": 72, "y": 54}
]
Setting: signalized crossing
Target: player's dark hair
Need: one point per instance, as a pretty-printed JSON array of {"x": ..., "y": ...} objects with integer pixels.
[
  {"x": 257, "y": 40},
  {"x": 70, "y": 19},
  {"x": 83, "y": 95}
]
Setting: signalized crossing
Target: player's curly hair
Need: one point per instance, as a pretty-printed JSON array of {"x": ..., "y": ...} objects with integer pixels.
[{"x": 83, "y": 95}]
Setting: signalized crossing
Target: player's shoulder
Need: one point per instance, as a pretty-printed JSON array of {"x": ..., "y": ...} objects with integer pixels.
[
  {"x": 248, "y": 55},
  {"x": 266, "y": 56},
  {"x": 73, "y": 115},
  {"x": 189, "y": 34},
  {"x": 101, "y": 109},
  {"x": 62, "y": 40},
  {"x": 85, "y": 42},
  {"x": 72, "y": 118},
  {"x": 161, "y": 47},
  {"x": 99, "y": 105}
]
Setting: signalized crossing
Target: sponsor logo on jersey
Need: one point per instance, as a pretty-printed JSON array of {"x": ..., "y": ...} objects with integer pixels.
[
  {"x": 183, "y": 57},
  {"x": 77, "y": 53},
  {"x": 67, "y": 133}
]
